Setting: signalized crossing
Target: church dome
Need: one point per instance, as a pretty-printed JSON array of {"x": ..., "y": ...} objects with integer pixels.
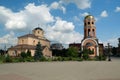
[
  {"x": 89, "y": 17},
  {"x": 38, "y": 28}
]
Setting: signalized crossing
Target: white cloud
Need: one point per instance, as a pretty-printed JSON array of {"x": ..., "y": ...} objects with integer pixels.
[
  {"x": 63, "y": 32},
  {"x": 58, "y": 5},
  {"x": 76, "y": 18},
  {"x": 64, "y": 38},
  {"x": 10, "y": 19},
  {"x": 54, "y": 5},
  {"x": 55, "y": 28},
  {"x": 8, "y": 40},
  {"x": 84, "y": 14},
  {"x": 40, "y": 12},
  {"x": 27, "y": 18},
  {"x": 117, "y": 9},
  {"x": 63, "y": 26},
  {"x": 104, "y": 14},
  {"x": 15, "y": 21},
  {"x": 81, "y": 4}
]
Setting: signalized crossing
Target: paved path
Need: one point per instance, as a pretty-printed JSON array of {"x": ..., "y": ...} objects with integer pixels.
[{"x": 85, "y": 70}]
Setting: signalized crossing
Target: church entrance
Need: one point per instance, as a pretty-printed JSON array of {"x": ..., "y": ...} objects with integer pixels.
[{"x": 92, "y": 45}]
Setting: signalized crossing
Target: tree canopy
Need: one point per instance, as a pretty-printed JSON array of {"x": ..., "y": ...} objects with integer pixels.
[
  {"x": 38, "y": 52},
  {"x": 72, "y": 52}
]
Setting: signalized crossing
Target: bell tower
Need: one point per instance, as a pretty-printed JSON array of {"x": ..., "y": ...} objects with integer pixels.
[
  {"x": 38, "y": 32},
  {"x": 89, "y": 27},
  {"x": 90, "y": 40}
]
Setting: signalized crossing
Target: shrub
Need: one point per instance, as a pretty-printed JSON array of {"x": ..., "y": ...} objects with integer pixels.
[
  {"x": 74, "y": 59},
  {"x": 49, "y": 59},
  {"x": 79, "y": 59},
  {"x": 54, "y": 59},
  {"x": 100, "y": 58},
  {"x": 23, "y": 55},
  {"x": 43, "y": 59},
  {"x": 29, "y": 59},
  {"x": 21, "y": 59},
  {"x": 16, "y": 59},
  {"x": 85, "y": 56},
  {"x": 28, "y": 53},
  {"x": 69, "y": 58},
  {"x": 1, "y": 59},
  {"x": 8, "y": 59},
  {"x": 60, "y": 58},
  {"x": 72, "y": 52},
  {"x": 65, "y": 58}
]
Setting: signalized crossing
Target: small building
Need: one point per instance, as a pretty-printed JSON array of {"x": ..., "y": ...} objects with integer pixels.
[
  {"x": 77, "y": 45},
  {"x": 57, "y": 46},
  {"x": 29, "y": 42}
]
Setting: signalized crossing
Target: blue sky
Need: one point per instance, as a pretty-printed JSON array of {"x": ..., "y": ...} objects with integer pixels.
[{"x": 62, "y": 20}]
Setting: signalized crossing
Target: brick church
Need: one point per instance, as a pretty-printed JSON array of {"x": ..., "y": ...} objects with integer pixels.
[
  {"x": 90, "y": 40},
  {"x": 29, "y": 42}
]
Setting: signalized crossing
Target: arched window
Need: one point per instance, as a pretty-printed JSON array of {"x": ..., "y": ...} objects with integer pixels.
[
  {"x": 88, "y": 23},
  {"x": 88, "y": 32},
  {"x": 85, "y": 23},
  {"x": 85, "y": 31},
  {"x": 33, "y": 42},
  {"x": 89, "y": 44},
  {"x": 93, "y": 32},
  {"x": 93, "y": 50},
  {"x": 38, "y": 32},
  {"x": 22, "y": 41},
  {"x": 92, "y": 22}
]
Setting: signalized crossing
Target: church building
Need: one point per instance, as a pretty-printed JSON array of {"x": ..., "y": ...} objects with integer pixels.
[
  {"x": 29, "y": 42},
  {"x": 90, "y": 40}
]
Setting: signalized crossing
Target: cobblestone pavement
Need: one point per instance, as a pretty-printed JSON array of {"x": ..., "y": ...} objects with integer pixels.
[{"x": 85, "y": 70}]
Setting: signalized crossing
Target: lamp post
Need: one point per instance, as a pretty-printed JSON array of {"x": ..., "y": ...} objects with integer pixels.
[{"x": 109, "y": 58}]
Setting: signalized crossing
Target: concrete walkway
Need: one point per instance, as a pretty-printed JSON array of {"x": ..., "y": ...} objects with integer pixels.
[{"x": 85, "y": 70}]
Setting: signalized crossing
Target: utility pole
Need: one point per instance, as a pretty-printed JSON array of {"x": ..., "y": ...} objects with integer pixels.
[
  {"x": 118, "y": 42},
  {"x": 109, "y": 58}
]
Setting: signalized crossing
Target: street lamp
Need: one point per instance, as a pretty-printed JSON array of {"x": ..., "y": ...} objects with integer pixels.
[{"x": 109, "y": 58}]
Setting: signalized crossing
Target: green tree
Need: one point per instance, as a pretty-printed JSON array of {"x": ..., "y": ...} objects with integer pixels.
[
  {"x": 23, "y": 55},
  {"x": 85, "y": 54},
  {"x": 90, "y": 51},
  {"x": 38, "y": 52},
  {"x": 28, "y": 53},
  {"x": 72, "y": 52}
]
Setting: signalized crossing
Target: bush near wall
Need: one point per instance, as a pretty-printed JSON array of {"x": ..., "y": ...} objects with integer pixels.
[
  {"x": 7, "y": 59},
  {"x": 1, "y": 59},
  {"x": 100, "y": 58}
]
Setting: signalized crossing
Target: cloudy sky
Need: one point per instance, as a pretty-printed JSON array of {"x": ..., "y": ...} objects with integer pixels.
[{"x": 62, "y": 20}]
